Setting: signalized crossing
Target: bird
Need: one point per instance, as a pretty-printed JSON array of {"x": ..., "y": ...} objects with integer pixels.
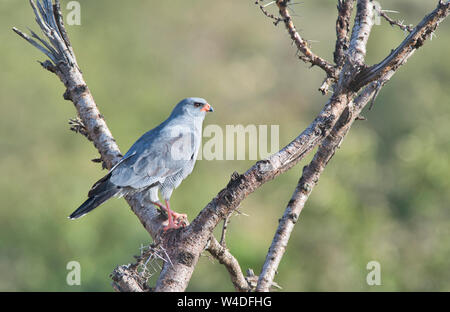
[{"x": 158, "y": 161}]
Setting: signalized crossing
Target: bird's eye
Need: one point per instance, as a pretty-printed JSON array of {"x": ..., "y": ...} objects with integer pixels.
[{"x": 197, "y": 104}]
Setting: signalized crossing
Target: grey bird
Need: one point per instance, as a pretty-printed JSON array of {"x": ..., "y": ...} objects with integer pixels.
[{"x": 158, "y": 161}]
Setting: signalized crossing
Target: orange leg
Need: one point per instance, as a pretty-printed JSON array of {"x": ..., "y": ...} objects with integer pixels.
[{"x": 172, "y": 216}]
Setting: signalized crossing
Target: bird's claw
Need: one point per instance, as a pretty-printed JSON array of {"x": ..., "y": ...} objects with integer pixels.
[
  {"x": 179, "y": 216},
  {"x": 176, "y": 221},
  {"x": 171, "y": 226}
]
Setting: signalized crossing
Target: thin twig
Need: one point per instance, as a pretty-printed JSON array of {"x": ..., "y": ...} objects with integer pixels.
[
  {"x": 263, "y": 9},
  {"x": 77, "y": 126},
  {"x": 223, "y": 242},
  {"x": 252, "y": 280},
  {"x": 408, "y": 28},
  {"x": 306, "y": 54}
]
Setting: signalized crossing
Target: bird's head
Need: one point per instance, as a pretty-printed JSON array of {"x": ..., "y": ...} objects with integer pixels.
[{"x": 193, "y": 106}]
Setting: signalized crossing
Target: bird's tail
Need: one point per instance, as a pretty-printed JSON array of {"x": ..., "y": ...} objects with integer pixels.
[{"x": 99, "y": 193}]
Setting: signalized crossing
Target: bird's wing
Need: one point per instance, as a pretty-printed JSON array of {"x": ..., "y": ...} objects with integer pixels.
[{"x": 150, "y": 160}]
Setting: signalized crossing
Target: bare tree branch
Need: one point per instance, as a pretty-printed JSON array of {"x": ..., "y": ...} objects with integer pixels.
[
  {"x": 312, "y": 172},
  {"x": 306, "y": 54},
  {"x": 191, "y": 240},
  {"x": 393, "y": 22},
  {"x": 263, "y": 9},
  {"x": 188, "y": 243},
  {"x": 252, "y": 280},
  {"x": 184, "y": 246},
  {"x": 345, "y": 9},
  {"x": 309, "y": 179},
  {"x": 223, "y": 255},
  {"x": 126, "y": 280},
  {"x": 63, "y": 63},
  {"x": 355, "y": 59},
  {"x": 327, "y": 82},
  {"x": 415, "y": 40},
  {"x": 133, "y": 277},
  {"x": 360, "y": 32}
]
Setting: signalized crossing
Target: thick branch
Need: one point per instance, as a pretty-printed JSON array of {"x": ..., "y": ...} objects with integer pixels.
[
  {"x": 361, "y": 32},
  {"x": 224, "y": 256},
  {"x": 354, "y": 59},
  {"x": 312, "y": 172},
  {"x": 398, "y": 57},
  {"x": 309, "y": 179},
  {"x": 345, "y": 9},
  {"x": 189, "y": 242},
  {"x": 126, "y": 280},
  {"x": 186, "y": 244}
]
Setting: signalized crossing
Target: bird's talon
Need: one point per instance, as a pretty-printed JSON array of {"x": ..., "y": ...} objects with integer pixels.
[
  {"x": 171, "y": 226},
  {"x": 180, "y": 219},
  {"x": 178, "y": 216}
]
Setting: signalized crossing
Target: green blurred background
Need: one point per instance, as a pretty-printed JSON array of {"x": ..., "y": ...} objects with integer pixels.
[{"x": 384, "y": 196}]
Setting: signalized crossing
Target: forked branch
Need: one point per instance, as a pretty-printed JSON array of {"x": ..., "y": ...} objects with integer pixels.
[
  {"x": 312, "y": 172},
  {"x": 414, "y": 41},
  {"x": 185, "y": 245},
  {"x": 309, "y": 179}
]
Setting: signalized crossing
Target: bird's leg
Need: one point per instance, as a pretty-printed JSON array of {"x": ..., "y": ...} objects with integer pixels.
[
  {"x": 180, "y": 219},
  {"x": 161, "y": 207},
  {"x": 170, "y": 215}
]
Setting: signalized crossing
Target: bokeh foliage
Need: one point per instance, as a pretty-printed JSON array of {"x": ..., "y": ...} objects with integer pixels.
[{"x": 384, "y": 196}]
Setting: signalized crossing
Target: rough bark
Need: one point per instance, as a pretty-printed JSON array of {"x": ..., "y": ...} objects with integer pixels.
[
  {"x": 312, "y": 172},
  {"x": 231, "y": 264},
  {"x": 345, "y": 9},
  {"x": 398, "y": 57},
  {"x": 306, "y": 54},
  {"x": 327, "y": 130},
  {"x": 307, "y": 182}
]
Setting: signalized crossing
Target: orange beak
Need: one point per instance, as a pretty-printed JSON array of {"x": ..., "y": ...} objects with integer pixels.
[{"x": 207, "y": 108}]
